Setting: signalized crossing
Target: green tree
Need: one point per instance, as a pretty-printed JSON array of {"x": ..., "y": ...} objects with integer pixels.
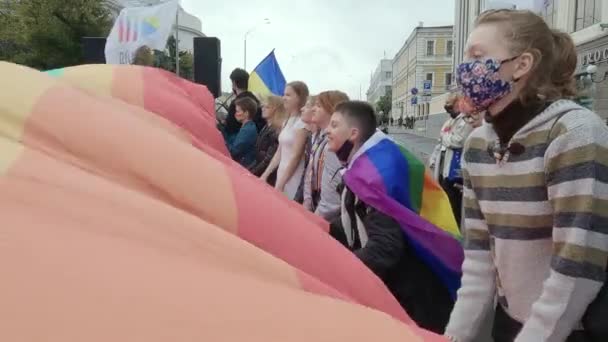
[
  {"x": 384, "y": 106},
  {"x": 166, "y": 60},
  {"x": 46, "y": 34}
]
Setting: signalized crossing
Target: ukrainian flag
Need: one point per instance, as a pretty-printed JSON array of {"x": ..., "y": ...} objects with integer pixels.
[{"x": 267, "y": 78}]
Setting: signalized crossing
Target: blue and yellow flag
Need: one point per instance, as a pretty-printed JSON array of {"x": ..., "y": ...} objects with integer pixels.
[{"x": 267, "y": 78}]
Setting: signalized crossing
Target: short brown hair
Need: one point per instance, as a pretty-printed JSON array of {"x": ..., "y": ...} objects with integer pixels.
[
  {"x": 360, "y": 114},
  {"x": 143, "y": 56},
  {"x": 552, "y": 74},
  {"x": 328, "y": 100},
  {"x": 301, "y": 89},
  {"x": 247, "y": 104}
]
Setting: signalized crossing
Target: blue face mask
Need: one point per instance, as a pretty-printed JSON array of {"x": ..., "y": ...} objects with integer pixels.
[{"x": 481, "y": 84}]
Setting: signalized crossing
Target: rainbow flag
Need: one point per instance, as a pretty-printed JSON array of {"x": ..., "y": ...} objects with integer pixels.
[
  {"x": 188, "y": 105},
  {"x": 389, "y": 178},
  {"x": 112, "y": 217},
  {"x": 267, "y": 78}
]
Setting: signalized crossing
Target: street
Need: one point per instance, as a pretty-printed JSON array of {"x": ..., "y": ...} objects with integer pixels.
[{"x": 419, "y": 145}]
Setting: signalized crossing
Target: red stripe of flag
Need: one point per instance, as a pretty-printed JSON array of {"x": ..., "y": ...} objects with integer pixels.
[
  {"x": 121, "y": 28},
  {"x": 128, "y": 34}
]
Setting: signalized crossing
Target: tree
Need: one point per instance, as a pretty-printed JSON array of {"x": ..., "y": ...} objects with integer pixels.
[
  {"x": 46, "y": 34},
  {"x": 166, "y": 60},
  {"x": 384, "y": 106}
]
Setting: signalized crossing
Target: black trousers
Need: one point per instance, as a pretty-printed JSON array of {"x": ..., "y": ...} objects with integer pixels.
[
  {"x": 506, "y": 329},
  {"x": 455, "y": 197}
]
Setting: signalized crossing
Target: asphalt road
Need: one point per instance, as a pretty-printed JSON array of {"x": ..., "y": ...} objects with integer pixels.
[{"x": 419, "y": 145}]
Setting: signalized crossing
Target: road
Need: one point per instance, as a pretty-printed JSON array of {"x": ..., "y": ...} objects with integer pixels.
[{"x": 421, "y": 146}]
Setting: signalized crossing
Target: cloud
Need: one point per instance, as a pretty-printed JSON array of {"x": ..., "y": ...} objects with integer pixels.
[{"x": 327, "y": 44}]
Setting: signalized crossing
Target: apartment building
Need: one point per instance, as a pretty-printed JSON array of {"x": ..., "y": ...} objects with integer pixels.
[
  {"x": 381, "y": 81},
  {"x": 422, "y": 69}
]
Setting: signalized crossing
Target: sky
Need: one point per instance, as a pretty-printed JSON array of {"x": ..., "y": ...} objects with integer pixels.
[{"x": 329, "y": 44}]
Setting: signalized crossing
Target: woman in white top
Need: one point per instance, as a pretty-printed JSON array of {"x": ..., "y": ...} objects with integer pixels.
[{"x": 289, "y": 158}]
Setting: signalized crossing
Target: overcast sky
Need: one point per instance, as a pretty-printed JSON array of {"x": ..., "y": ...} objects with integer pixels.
[{"x": 329, "y": 44}]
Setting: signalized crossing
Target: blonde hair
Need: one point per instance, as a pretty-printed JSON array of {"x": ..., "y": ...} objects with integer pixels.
[
  {"x": 552, "y": 74},
  {"x": 276, "y": 102}
]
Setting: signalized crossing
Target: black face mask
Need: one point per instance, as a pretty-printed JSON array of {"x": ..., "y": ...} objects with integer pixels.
[
  {"x": 451, "y": 111},
  {"x": 344, "y": 152}
]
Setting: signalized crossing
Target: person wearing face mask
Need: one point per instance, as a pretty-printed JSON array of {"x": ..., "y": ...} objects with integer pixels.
[
  {"x": 535, "y": 189},
  {"x": 322, "y": 178},
  {"x": 445, "y": 160},
  {"x": 365, "y": 227}
]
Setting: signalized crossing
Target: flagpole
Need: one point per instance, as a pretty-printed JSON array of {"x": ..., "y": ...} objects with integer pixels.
[{"x": 177, "y": 42}]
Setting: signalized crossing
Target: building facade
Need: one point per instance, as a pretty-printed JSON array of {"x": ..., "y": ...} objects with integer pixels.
[
  {"x": 585, "y": 20},
  {"x": 189, "y": 25},
  {"x": 381, "y": 81},
  {"x": 425, "y": 58}
]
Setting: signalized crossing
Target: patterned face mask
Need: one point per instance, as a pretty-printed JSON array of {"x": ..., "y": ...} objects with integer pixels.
[{"x": 480, "y": 82}]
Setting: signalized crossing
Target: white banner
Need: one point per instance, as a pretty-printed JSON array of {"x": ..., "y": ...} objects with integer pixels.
[{"x": 139, "y": 26}]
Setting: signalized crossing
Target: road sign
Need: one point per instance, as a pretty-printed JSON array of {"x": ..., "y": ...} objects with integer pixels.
[
  {"x": 414, "y": 100},
  {"x": 427, "y": 86},
  {"x": 414, "y": 91}
]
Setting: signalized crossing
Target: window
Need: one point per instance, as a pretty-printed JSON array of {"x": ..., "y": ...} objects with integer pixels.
[
  {"x": 548, "y": 12},
  {"x": 388, "y": 74},
  {"x": 429, "y": 77},
  {"x": 449, "y": 47},
  {"x": 587, "y": 13},
  {"x": 448, "y": 80},
  {"x": 430, "y": 47}
]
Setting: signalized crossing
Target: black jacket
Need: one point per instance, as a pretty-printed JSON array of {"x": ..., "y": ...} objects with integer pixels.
[
  {"x": 390, "y": 256},
  {"x": 265, "y": 148},
  {"x": 232, "y": 125}
]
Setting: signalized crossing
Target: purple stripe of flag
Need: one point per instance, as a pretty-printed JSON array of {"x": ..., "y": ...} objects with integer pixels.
[{"x": 433, "y": 239}]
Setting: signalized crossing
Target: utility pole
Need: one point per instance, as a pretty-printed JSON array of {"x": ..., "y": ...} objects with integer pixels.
[{"x": 177, "y": 42}]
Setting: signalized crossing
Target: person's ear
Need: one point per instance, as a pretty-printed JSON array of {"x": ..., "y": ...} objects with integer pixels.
[
  {"x": 355, "y": 134},
  {"x": 523, "y": 65}
]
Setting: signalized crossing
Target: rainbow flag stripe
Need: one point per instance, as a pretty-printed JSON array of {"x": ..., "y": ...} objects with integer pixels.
[
  {"x": 188, "y": 105},
  {"x": 386, "y": 176},
  {"x": 112, "y": 218}
]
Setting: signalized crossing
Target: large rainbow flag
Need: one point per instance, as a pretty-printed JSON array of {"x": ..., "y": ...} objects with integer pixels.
[
  {"x": 116, "y": 226},
  {"x": 388, "y": 177}
]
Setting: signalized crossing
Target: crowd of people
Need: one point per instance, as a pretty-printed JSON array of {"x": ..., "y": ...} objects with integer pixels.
[{"x": 523, "y": 164}]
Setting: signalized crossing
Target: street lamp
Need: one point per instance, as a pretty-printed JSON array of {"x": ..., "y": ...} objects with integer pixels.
[{"x": 266, "y": 22}]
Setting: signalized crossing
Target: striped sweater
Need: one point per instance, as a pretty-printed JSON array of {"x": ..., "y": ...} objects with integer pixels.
[{"x": 536, "y": 225}]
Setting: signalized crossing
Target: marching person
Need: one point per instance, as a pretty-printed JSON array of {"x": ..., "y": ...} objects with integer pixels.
[
  {"x": 289, "y": 159},
  {"x": 445, "y": 160},
  {"x": 375, "y": 237},
  {"x": 535, "y": 188},
  {"x": 242, "y": 148},
  {"x": 240, "y": 86},
  {"x": 322, "y": 179},
  {"x": 268, "y": 139}
]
